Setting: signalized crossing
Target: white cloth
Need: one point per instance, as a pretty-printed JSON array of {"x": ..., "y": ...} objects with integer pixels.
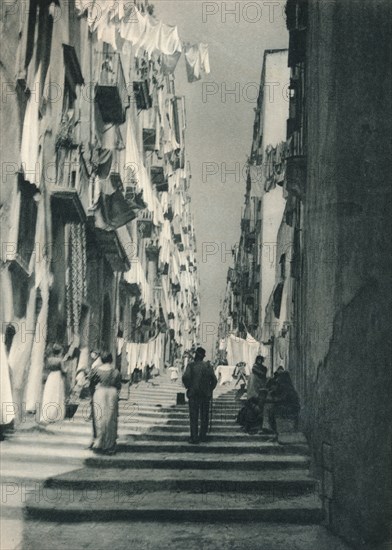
[
  {"x": 53, "y": 399},
  {"x": 240, "y": 350},
  {"x": 224, "y": 373},
  {"x": 29, "y": 148},
  {"x": 133, "y": 26},
  {"x": 197, "y": 61},
  {"x": 7, "y": 413},
  {"x": 173, "y": 373}
]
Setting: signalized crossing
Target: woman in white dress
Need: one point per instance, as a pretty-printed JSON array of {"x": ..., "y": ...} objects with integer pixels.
[
  {"x": 53, "y": 399},
  {"x": 107, "y": 382}
]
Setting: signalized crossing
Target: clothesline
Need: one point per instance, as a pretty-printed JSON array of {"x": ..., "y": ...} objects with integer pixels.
[{"x": 118, "y": 22}]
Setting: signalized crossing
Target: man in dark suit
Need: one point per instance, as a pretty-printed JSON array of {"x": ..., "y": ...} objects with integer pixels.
[{"x": 200, "y": 381}]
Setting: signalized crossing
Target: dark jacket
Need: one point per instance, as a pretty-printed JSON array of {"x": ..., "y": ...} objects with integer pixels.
[
  {"x": 283, "y": 392},
  {"x": 199, "y": 379}
]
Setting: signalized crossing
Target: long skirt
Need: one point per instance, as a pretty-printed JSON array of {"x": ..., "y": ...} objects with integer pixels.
[
  {"x": 105, "y": 405},
  {"x": 53, "y": 399}
]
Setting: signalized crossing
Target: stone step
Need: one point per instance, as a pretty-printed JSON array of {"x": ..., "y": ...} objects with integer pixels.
[
  {"x": 263, "y": 444},
  {"x": 161, "y": 535},
  {"x": 139, "y": 425},
  {"x": 43, "y": 453},
  {"x": 165, "y": 413},
  {"x": 214, "y": 437},
  {"x": 201, "y": 461},
  {"x": 81, "y": 437},
  {"x": 172, "y": 506},
  {"x": 213, "y": 447},
  {"x": 276, "y": 482}
]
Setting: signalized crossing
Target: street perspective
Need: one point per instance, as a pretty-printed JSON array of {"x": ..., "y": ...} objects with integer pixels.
[{"x": 195, "y": 275}]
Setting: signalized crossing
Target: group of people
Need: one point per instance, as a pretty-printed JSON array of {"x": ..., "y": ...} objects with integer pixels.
[
  {"x": 102, "y": 383},
  {"x": 266, "y": 397}
]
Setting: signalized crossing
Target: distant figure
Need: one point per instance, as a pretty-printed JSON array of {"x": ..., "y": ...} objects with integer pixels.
[
  {"x": 53, "y": 399},
  {"x": 174, "y": 374},
  {"x": 239, "y": 374},
  {"x": 107, "y": 382},
  {"x": 200, "y": 381},
  {"x": 178, "y": 364},
  {"x": 240, "y": 378}
]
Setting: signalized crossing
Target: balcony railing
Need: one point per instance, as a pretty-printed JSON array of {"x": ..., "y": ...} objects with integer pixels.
[
  {"x": 142, "y": 95},
  {"x": 111, "y": 89},
  {"x": 149, "y": 139},
  {"x": 72, "y": 181},
  {"x": 158, "y": 178}
]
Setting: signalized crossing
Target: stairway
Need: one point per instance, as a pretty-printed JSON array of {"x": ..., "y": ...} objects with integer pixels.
[{"x": 156, "y": 475}]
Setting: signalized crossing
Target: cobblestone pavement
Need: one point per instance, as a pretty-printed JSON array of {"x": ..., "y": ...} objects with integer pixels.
[{"x": 38, "y": 535}]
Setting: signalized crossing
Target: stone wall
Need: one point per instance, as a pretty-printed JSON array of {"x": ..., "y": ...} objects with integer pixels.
[{"x": 346, "y": 284}]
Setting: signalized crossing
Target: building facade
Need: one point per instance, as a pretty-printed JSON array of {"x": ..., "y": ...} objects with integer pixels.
[
  {"x": 98, "y": 243},
  {"x": 326, "y": 318}
]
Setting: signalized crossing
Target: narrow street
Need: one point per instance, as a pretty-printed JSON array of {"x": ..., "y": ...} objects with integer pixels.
[
  {"x": 195, "y": 275},
  {"x": 235, "y": 491}
]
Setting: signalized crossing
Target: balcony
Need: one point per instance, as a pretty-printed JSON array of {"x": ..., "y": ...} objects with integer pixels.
[
  {"x": 296, "y": 176},
  {"x": 145, "y": 225},
  {"x": 142, "y": 95},
  {"x": 158, "y": 178},
  {"x": 149, "y": 138},
  {"x": 71, "y": 188},
  {"x": 134, "y": 198},
  {"x": 111, "y": 89},
  {"x": 152, "y": 251},
  {"x": 113, "y": 249}
]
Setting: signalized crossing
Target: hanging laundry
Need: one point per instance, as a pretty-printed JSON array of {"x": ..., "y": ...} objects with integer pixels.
[
  {"x": 197, "y": 61},
  {"x": 169, "y": 62},
  {"x": 115, "y": 211},
  {"x": 169, "y": 41},
  {"x": 29, "y": 149},
  {"x": 107, "y": 32},
  {"x": 34, "y": 382},
  {"x": 7, "y": 413},
  {"x": 133, "y": 26},
  {"x": 149, "y": 41}
]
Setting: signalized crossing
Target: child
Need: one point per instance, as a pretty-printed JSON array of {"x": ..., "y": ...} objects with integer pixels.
[{"x": 173, "y": 374}]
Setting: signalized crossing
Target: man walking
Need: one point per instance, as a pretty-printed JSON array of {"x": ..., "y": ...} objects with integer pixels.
[{"x": 200, "y": 381}]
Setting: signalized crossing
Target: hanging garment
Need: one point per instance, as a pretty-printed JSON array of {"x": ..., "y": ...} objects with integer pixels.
[
  {"x": 169, "y": 41},
  {"x": 149, "y": 41},
  {"x": 113, "y": 211},
  {"x": 29, "y": 148},
  {"x": 169, "y": 62},
  {"x": 107, "y": 31},
  {"x": 20, "y": 352},
  {"x": 34, "y": 382},
  {"x": 197, "y": 61},
  {"x": 7, "y": 413},
  {"x": 133, "y": 26}
]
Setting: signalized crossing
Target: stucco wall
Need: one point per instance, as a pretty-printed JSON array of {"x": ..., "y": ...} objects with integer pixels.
[
  {"x": 275, "y": 110},
  {"x": 347, "y": 268}
]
